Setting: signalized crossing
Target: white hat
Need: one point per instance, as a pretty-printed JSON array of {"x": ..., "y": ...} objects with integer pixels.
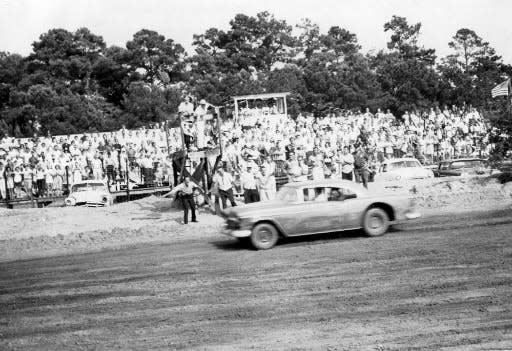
[{"x": 202, "y": 102}]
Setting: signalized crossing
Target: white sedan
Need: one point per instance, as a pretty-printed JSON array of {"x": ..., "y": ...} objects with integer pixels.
[
  {"x": 402, "y": 169},
  {"x": 90, "y": 193}
]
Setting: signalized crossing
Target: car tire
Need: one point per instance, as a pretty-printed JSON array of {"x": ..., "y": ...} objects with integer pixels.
[
  {"x": 264, "y": 236},
  {"x": 375, "y": 222}
]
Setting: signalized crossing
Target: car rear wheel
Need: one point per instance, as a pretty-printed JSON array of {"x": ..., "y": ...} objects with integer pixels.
[
  {"x": 376, "y": 222},
  {"x": 264, "y": 236}
]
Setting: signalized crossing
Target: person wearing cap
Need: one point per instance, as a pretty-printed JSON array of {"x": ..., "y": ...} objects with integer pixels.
[
  {"x": 225, "y": 182},
  {"x": 248, "y": 183},
  {"x": 185, "y": 191}
]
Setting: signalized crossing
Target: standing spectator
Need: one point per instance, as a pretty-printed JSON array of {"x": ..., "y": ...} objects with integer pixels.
[
  {"x": 186, "y": 107},
  {"x": 225, "y": 183},
  {"x": 97, "y": 167},
  {"x": 17, "y": 179},
  {"x": 361, "y": 166},
  {"x": 3, "y": 188},
  {"x": 28, "y": 176},
  {"x": 248, "y": 184},
  {"x": 9, "y": 174},
  {"x": 110, "y": 163},
  {"x": 266, "y": 185},
  {"x": 185, "y": 191},
  {"x": 77, "y": 173},
  {"x": 57, "y": 180},
  {"x": 347, "y": 164},
  {"x": 40, "y": 181},
  {"x": 49, "y": 172}
]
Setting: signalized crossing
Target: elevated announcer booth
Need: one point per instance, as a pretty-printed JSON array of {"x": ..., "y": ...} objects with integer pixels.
[{"x": 249, "y": 106}]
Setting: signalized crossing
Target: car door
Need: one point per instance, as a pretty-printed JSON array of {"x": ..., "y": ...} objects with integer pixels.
[{"x": 317, "y": 213}]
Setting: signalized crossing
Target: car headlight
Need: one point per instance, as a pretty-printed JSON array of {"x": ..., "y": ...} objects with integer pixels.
[{"x": 70, "y": 201}]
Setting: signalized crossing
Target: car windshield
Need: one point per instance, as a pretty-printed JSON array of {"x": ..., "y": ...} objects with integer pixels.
[
  {"x": 287, "y": 193},
  {"x": 466, "y": 164},
  {"x": 87, "y": 187},
  {"x": 404, "y": 164}
]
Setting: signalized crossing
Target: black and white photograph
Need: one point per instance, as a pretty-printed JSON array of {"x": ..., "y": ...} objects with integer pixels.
[{"x": 256, "y": 175}]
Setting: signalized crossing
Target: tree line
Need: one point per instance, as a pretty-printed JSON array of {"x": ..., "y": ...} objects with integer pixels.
[{"x": 72, "y": 82}]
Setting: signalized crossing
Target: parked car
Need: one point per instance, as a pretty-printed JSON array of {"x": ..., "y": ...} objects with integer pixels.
[
  {"x": 318, "y": 206},
  {"x": 462, "y": 167},
  {"x": 90, "y": 193},
  {"x": 401, "y": 169}
]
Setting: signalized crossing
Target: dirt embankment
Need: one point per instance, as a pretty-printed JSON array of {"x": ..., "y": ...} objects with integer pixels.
[
  {"x": 50, "y": 231},
  {"x": 42, "y": 232},
  {"x": 456, "y": 194}
]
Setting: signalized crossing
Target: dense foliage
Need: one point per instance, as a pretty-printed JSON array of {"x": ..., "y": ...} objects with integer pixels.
[{"x": 73, "y": 82}]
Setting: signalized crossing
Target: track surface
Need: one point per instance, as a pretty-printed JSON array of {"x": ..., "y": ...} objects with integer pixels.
[{"x": 443, "y": 282}]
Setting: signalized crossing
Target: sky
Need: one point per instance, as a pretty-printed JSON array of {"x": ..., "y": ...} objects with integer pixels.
[{"x": 23, "y": 21}]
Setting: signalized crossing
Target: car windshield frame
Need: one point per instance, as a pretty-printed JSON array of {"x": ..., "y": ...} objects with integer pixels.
[
  {"x": 82, "y": 187},
  {"x": 466, "y": 164},
  {"x": 403, "y": 164}
]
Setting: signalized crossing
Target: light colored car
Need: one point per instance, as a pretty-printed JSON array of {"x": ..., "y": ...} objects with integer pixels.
[
  {"x": 402, "y": 169},
  {"x": 319, "y": 206},
  {"x": 90, "y": 193}
]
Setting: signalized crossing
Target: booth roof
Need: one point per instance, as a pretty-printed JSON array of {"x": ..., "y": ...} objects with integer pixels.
[{"x": 261, "y": 96}]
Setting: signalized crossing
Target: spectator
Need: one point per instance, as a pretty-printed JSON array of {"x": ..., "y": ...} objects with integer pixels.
[
  {"x": 248, "y": 184},
  {"x": 347, "y": 164},
  {"x": 266, "y": 185},
  {"x": 225, "y": 183}
]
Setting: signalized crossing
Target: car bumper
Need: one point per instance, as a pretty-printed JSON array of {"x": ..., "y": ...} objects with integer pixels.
[{"x": 239, "y": 233}]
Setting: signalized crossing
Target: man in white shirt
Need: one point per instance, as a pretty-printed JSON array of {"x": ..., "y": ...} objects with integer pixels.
[
  {"x": 186, "y": 107},
  {"x": 202, "y": 109},
  {"x": 225, "y": 182},
  {"x": 347, "y": 164},
  {"x": 248, "y": 183},
  {"x": 186, "y": 191}
]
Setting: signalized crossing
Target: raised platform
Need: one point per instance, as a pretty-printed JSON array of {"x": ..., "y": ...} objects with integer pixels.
[{"x": 119, "y": 196}]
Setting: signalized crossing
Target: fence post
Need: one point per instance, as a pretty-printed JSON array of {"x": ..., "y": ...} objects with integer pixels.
[
  {"x": 68, "y": 187},
  {"x": 31, "y": 192},
  {"x": 127, "y": 180},
  {"x": 5, "y": 186}
]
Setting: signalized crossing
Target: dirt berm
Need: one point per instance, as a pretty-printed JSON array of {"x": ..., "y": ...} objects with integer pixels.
[{"x": 28, "y": 233}]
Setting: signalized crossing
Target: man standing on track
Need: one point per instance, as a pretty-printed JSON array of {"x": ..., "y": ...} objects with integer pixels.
[
  {"x": 248, "y": 183},
  {"x": 225, "y": 183},
  {"x": 186, "y": 192}
]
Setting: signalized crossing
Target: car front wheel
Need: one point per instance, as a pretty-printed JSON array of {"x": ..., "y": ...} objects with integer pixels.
[
  {"x": 264, "y": 236},
  {"x": 375, "y": 222}
]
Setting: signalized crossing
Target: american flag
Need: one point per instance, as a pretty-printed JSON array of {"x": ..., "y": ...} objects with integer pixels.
[{"x": 501, "y": 89}]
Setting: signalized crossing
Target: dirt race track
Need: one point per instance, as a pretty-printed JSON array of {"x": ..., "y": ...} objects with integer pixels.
[{"x": 438, "y": 283}]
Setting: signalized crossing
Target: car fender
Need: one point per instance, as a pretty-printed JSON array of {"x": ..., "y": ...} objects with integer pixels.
[{"x": 272, "y": 221}]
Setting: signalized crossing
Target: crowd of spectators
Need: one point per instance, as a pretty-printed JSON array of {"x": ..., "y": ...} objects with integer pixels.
[
  {"x": 47, "y": 166},
  {"x": 260, "y": 150},
  {"x": 350, "y": 145}
]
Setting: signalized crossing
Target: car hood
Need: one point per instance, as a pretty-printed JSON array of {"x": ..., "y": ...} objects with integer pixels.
[
  {"x": 88, "y": 195},
  {"x": 254, "y": 208}
]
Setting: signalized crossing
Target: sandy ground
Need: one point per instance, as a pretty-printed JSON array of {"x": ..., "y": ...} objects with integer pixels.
[
  {"x": 29, "y": 233},
  {"x": 440, "y": 283}
]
